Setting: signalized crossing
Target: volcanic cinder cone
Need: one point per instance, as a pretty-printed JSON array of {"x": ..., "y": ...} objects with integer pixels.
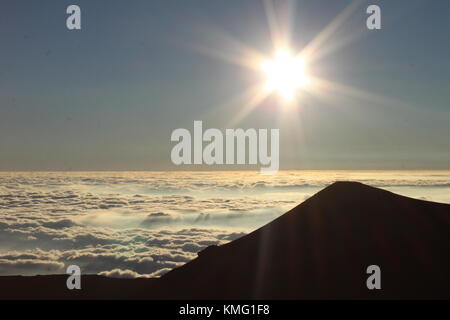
[{"x": 322, "y": 248}]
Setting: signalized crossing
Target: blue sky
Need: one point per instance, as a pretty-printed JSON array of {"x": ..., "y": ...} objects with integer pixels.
[{"x": 108, "y": 97}]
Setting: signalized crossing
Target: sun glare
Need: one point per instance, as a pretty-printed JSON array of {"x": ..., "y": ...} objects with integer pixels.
[{"x": 285, "y": 74}]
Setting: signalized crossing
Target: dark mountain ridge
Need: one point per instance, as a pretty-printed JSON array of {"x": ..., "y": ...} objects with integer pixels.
[{"x": 318, "y": 250}]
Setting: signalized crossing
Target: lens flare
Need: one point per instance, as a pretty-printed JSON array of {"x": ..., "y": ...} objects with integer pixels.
[{"x": 285, "y": 74}]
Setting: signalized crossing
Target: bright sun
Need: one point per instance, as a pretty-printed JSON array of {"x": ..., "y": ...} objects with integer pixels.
[{"x": 285, "y": 74}]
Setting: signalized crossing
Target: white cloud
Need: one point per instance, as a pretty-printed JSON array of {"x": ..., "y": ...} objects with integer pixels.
[
  {"x": 119, "y": 273},
  {"x": 126, "y": 224},
  {"x": 30, "y": 266}
]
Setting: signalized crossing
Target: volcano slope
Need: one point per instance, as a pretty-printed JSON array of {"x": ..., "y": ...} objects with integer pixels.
[
  {"x": 321, "y": 250},
  {"x": 318, "y": 250}
]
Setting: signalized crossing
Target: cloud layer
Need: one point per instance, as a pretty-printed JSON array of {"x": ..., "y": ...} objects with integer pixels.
[{"x": 145, "y": 224}]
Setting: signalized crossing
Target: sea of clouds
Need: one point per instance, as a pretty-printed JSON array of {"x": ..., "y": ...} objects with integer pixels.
[{"x": 143, "y": 224}]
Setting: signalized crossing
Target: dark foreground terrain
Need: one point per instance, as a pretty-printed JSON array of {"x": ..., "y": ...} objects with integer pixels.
[{"x": 318, "y": 250}]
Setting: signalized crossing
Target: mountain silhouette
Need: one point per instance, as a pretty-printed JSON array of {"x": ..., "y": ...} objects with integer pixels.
[{"x": 318, "y": 250}]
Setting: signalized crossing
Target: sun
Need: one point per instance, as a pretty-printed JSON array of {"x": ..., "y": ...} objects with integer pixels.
[{"x": 285, "y": 73}]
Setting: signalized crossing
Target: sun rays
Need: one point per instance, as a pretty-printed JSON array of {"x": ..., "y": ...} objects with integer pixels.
[{"x": 286, "y": 74}]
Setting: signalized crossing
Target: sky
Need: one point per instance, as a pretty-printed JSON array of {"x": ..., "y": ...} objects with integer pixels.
[{"x": 108, "y": 96}]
